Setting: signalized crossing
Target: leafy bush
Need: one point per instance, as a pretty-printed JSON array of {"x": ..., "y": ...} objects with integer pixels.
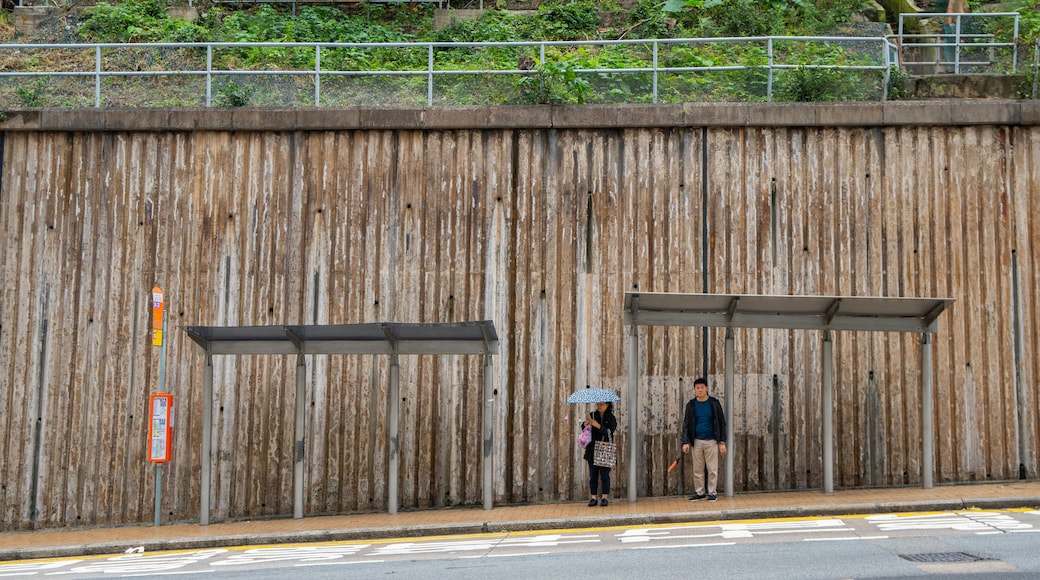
[
  {"x": 232, "y": 94},
  {"x": 648, "y": 20},
  {"x": 1030, "y": 22},
  {"x": 492, "y": 26},
  {"x": 805, "y": 84},
  {"x": 554, "y": 81},
  {"x": 32, "y": 94},
  {"x": 574, "y": 21},
  {"x": 897, "y": 85},
  {"x": 714, "y": 18},
  {"x": 128, "y": 21}
]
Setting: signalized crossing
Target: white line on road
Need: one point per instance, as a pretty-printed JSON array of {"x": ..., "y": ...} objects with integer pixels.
[
  {"x": 845, "y": 539},
  {"x": 512, "y": 555},
  {"x": 166, "y": 573},
  {"x": 338, "y": 563},
  {"x": 682, "y": 546}
]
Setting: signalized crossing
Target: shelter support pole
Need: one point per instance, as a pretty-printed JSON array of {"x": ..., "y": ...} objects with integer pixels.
[
  {"x": 828, "y": 413},
  {"x": 489, "y": 433},
  {"x": 206, "y": 453},
  {"x": 300, "y": 428},
  {"x": 395, "y": 413},
  {"x": 633, "y": 406},
  {"x": 728, "y": 392},
  {"x": 927, "y": 459}
]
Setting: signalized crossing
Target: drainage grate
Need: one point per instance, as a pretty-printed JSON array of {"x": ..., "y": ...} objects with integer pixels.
[{"x": 943, "y": 557}]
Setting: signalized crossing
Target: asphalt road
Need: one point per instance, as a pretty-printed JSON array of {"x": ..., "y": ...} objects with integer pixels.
[{"x": 965, "y": 544}]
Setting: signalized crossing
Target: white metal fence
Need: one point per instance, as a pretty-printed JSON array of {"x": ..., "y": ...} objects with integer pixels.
[
  {"x": 329, "y": 74},
  {"x": 959, "y": 43}
]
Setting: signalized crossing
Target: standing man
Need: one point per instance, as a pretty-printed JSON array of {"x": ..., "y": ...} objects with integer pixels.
[{"x": 704, "y": 428}]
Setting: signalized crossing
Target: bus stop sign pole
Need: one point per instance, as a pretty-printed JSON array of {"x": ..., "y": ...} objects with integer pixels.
[{"x": 160, "y": 405}]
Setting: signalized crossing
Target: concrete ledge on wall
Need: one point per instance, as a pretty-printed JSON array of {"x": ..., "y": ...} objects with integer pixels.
[
  {"x": 323, "y": 119},
  {"x": 783, "y": 114},
  {"x": 916, "y": 113},
  {"x": 985, "y": 112},
  {"x": 708, "y": 114},
  {"x": 840, "y": 115},
  {"x": 506, "y": 117},
  {"x": 392, "y": 118},
  {"x": 897, "y": 113},
  {"x": 198, "y": 119},
  {"x": 20, "y": 120},
  {"x": 1029, "y": 113},
  {"x": 262, "y": 120},
  {"x": 607, "y": 116}
]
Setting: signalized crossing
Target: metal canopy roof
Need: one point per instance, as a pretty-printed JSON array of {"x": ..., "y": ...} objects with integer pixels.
[
  {"x": 389, "y": 338},
  {"x": 800, "y": 312},
  {"x": 477, "y": 337}
]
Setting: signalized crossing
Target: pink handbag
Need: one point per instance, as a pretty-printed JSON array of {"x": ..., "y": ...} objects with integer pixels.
[{"x": 585, "y": 437}]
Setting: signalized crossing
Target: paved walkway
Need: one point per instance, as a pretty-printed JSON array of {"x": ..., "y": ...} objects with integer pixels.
[{"x": 466, "y": 520}]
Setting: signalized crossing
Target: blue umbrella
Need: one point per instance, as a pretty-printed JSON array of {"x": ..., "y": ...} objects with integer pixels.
[{"x": 591, "y": 395}]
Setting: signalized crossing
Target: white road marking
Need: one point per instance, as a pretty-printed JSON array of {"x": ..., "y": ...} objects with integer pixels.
[
  {"x": 138, "y": 564},
  {"x": 735, "y": 531},
  {"x": 515, "y": 555},
  {"x": 280, "y": 554},
  {"x": 966, "y": 522},
  {"x": 844, "y": 539},
  {"x": 683, "y": 546},
  {"x": 338, "y": 563},
  {"x": 32, "y": 568}
]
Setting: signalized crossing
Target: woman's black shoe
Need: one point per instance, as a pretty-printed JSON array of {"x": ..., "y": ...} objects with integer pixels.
[
  {"x": 592, "y": 502},
  {"x": 603, "y": 502}
]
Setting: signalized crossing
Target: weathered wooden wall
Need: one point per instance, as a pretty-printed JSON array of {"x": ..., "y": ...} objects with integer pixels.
[{"x": 541, "y": 230}]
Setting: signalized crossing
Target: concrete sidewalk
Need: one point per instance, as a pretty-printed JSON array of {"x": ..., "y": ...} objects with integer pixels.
[{"x": 469, "y": 520}]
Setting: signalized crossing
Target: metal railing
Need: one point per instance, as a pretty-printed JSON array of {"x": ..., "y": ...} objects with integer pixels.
[
  {"x": 961, "y": 43},
  {"x": 624, "y": 71},
  {"x": 1036, "y": 69}
]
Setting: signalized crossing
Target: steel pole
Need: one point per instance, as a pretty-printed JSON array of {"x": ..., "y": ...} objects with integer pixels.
[
  {"x": 927, "y": 460},
  {"x": 828, "y": 413},
  {"x": 206, "y": 452},
  {"x": 162, "y": 389},
  {"x": 633, "y": 405},
  {"x": 300, "y": 428},
  {"x": 395, "y": 412},
  {"x": 489, "y": 432},
  {"x": 728, "y": 392}
]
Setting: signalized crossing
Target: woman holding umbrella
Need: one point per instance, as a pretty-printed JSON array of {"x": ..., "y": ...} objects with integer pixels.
[{"x": 603, "y": 426}]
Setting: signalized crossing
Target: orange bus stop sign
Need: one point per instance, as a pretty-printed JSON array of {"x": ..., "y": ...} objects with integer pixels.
[{"x": 157, "y": 316}]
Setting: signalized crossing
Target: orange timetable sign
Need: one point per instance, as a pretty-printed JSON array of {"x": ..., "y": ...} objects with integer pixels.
[
  {"x": 157, "y": 316},
  {"x": 160, "y": 432}
]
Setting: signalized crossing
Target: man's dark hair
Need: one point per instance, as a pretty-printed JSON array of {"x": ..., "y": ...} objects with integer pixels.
[{"x": 700, "y": 381}]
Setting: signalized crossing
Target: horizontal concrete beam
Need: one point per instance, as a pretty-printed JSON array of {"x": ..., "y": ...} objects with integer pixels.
[{"x": 897, "y": 113}]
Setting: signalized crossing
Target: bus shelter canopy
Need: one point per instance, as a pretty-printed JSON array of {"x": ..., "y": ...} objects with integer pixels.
[
  {"x": 371, "y": 338},
  {"x": 792, "y": 312},
  {"x": 379, "y": 338},
  {"x": 826, "y": 313}
]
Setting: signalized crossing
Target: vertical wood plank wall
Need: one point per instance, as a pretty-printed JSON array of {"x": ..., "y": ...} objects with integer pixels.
[{"x": 540, "y": 230}]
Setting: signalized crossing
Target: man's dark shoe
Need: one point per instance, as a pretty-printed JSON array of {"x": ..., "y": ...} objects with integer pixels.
[
  {"x": 603, "y": 502},
  {"x": 697, "y": 496},
  {"x": 593, "y": 502},
  {"x": 712, "y": 497}
]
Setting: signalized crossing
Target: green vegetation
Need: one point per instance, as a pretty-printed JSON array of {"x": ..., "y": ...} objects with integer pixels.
[
  {"x": 1030, "y": 21},
  {"x": 553, "y": 77},
  {"x": 31, "y": 95}
]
